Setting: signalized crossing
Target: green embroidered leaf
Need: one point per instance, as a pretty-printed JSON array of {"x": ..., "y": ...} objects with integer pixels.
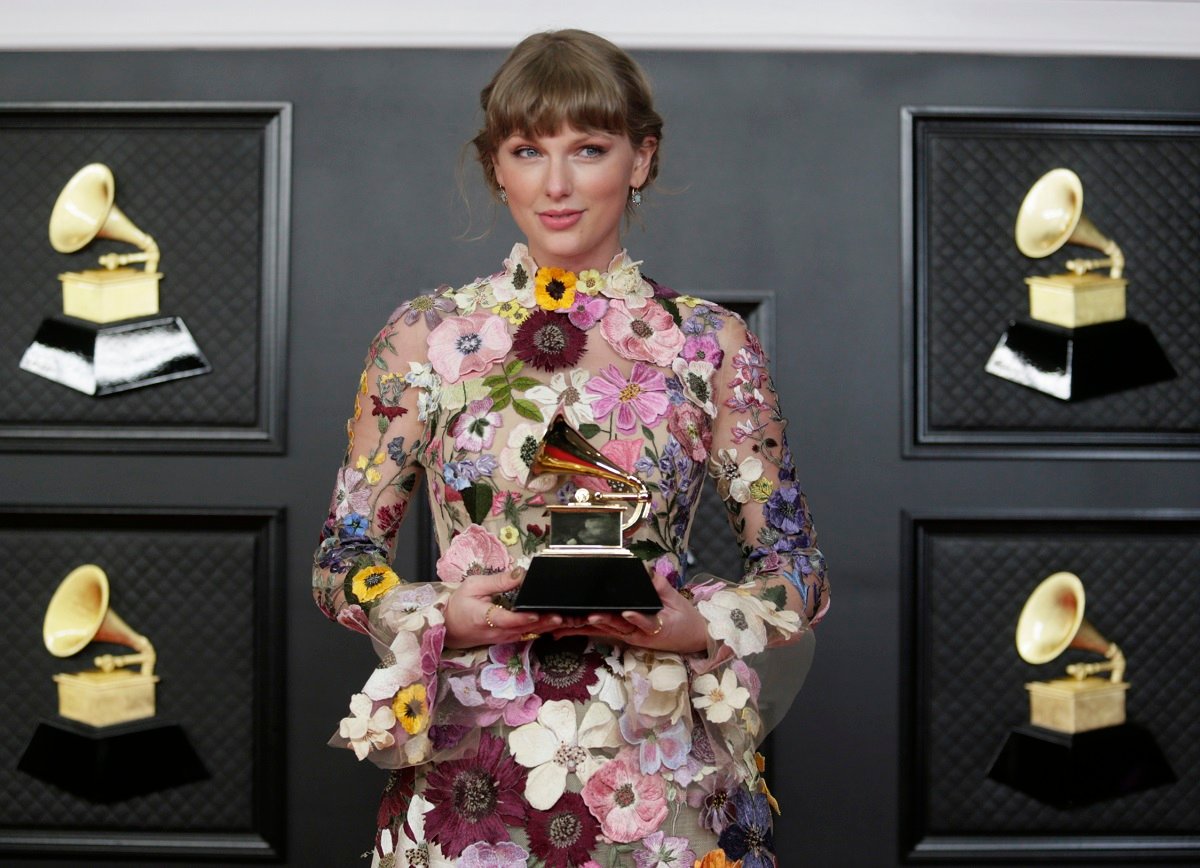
[
  {"x": 589, "y": 429},
  {"x": 512, "y": 367},
  {"x": 524, "y": 383},
  {"x": 646, "y": 549},
  {"x": 500, "y": 392},
  {"x": 379, "y": 363},
  {"x": 673, "y": 309},
  {"x": 528, "y": 409},
  {"x": 776, "y": 594},
  {"x": 500, "y": 403},
  {"x": 647, "y": 433},
  {"x": 383, "y": 424},
  {"x": 494, "y": 380},
  {"x": 477, "y": 498}
]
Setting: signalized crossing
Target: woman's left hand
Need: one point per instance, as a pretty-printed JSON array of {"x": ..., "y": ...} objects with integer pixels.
[{"x": 678, "y": 626}]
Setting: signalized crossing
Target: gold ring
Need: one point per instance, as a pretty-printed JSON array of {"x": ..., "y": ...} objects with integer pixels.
[
  {"x": 659, "y": 619},
  {"x": 525, "y": 637},
  {"x": 488, "y": 616}
]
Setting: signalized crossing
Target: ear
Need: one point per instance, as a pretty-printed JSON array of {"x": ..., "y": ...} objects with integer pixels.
[
  {"x": 496, "y": 171},
  {"x": 642, "y": 156}
]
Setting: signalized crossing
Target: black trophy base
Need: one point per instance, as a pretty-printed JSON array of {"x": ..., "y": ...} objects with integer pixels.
[
  {"x": 112, "y": 763},
  {"x": 100, "y": 359},
  {"x": 574, "y": 584},
  {"x": 1085, "y": 362},
  {"x": 1072, "y": 770}
]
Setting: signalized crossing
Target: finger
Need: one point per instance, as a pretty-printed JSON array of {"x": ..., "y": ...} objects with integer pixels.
[
  {"x": 651, "y": 624},
  {"x": 612, "y": 625},
  {"x": 499, "y": 618},
  {"x": 497, "y": 583}
]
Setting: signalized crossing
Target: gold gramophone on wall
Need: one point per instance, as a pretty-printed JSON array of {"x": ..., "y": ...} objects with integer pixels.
[
  {"x": 111, "y": 693},
  {"x": 1077, "y": 342},
  {"x": 586, "y": 567},
  {"x": 1078, "y": 747},
  {"x": 1051, "y": 622},
  {"x": 110, "y": 336}
]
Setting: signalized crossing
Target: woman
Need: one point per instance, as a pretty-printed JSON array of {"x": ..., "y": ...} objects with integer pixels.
[{"x": 616, "y": 739}]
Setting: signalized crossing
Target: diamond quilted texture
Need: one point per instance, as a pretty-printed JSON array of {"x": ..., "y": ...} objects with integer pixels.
[
  {"x": 195, "y": 184},
  {"x": 187, "y": 582},
  {"x": 1141, "y": 593},
  {"x": 1139, "y": 189}
]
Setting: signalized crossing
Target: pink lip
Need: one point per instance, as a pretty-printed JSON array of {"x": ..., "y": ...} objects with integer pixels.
[{"x": 560, "y": 219}]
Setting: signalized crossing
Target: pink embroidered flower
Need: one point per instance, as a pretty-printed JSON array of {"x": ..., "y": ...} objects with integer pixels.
[
  {"x": 690, "y": 426},
  {"x": 648, "y": 333},
  {"x": 664, "y": 852},
  {"x": 658, "y": 747},
  {"x": 623, "y": 453},
  {"x": 642, "y": 396},
  {"x": 506, "y": 854},
  {"x": 473, "y": 552},
  {"x": 508, "y": 675},
  {"x": 463, "y": 345},
  {"x": 475, "y": 428},
  {"x": 703, "y": 348},
  {"x": 628, "y": 804},
  {"x": 351, "y": 496},
  {"x": 587, "y": 310}
]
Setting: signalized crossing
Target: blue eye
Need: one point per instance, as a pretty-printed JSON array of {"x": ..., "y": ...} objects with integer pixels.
[
  {"x": 592, "y": 151},
  {"x": 524, "y": 152}
]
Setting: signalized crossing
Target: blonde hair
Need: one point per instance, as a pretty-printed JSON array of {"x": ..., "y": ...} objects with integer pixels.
[{"x": 566, "y": 77}]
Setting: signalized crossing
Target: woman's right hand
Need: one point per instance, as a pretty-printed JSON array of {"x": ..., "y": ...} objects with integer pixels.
[{"x": 473, "y": 618}]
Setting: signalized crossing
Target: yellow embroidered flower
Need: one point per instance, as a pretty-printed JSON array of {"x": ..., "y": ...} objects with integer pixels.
[
  {"x": 555, "y": 288},
  {"x": 716, "y": 859},
  {"x": 761, "y": 489},
  {"x": 411, "y": 708},
  {"x": 373, "y": 476},
  {"x": 372, "y": 582},
  {"x": 509, "y": 535},
  {"x": 362, "y": 383},
  {"x": 589, "y": 281},
  {"x": 761, "y": 762},
  {"x": 689, "y": 300},
  {"x": 512, "y": 311},
  {"x": 350, "y": 434}
]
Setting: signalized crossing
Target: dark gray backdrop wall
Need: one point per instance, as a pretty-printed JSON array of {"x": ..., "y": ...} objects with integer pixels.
[{"x": 783, "y": 172}]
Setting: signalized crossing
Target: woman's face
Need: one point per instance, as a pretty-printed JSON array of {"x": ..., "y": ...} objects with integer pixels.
[{"x": 567, "y": 192}]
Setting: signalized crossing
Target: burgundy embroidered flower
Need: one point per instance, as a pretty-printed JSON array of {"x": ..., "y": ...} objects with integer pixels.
[
  {"x": 475, "y": 799},
  {"x": 690, "y": 426},
  {"x": 549, "y": 341},
  {"x": 565, "y": 671},
  {"x": 563, "y": 836},
  {"x": 396, "y": 794},
  {"x": 382, "y": 409}
]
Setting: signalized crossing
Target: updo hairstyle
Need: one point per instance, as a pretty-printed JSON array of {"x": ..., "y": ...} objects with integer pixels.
[{"x": 560, "y": 78}]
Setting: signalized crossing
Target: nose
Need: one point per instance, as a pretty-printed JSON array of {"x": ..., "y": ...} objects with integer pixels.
[{"x": 558, "y": 179}]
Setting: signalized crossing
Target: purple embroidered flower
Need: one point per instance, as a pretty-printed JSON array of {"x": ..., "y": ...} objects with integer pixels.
[
  {"x": 506, "y": 854},
  {"x": 657, "y": 747},
  {"x": 587, "y": 310},
  {"x": 395, "y": 450},
  {"x": 664, "y": 852},
  {"x": 432, "y": 307},
  {"x": 714, "y": 798},
  {"x": 703, "y": 348},
  {"x": 785, "y": 510},
  {"x": 475, "y": 428},
  {"x": 750, "y": 837},
  {"x": 508, "y": 675}
]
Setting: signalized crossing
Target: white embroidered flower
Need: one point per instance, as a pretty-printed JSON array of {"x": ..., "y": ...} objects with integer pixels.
[
  {"x": 430, "y": 384},
  {"x": 409, "y": 609},
  {"x": 460, "y": 394},
  {"x": 553, "y": 747},
  {"x": 734, "y": 619},
  {"x": 416, "y": 852},
  {"x": 401, "y": 667},
  {"x": 733, "y": 478},
  {"x": 517, "y": 457},
  {"x": 625, "y": 282},
  {"x": 659, "y": 684},
  {"x": 366, "y": 731},
  {"x": 720, "y": 698},
  {"x": 575, "y": 401},
  {"x": 696, "y": 377},
  {"x": 515, "y": 282},
  {"x": 608, "y": 688},
  {"x": 474, "y": 295}
]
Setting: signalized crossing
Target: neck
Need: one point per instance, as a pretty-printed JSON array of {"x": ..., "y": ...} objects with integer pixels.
[{"x": 577, "y": 264}]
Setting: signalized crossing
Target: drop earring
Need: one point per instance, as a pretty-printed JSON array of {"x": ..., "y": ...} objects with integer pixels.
[
  {"x": 503, "y": 196},
  {"x": 635, "y": 196}
]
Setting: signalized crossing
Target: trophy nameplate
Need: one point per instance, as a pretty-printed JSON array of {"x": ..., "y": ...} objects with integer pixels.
[{"x": 586, "y": 566}]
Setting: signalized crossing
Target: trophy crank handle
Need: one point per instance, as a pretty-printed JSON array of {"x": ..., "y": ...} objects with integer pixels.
[{"x": 1114, "y": 664}]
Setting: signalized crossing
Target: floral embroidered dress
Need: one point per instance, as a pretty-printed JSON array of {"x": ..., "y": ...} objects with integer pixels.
[{"x": 570, "y": 752}]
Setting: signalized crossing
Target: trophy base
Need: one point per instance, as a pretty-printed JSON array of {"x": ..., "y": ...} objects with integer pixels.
[
  {"x": 1085, "y": 362},
  {"x": 112, "y": 763},
  {"x": 102, "y": 359},
  {"x": 573, "y": 584},
  {"x": 1068, "y": 770}
]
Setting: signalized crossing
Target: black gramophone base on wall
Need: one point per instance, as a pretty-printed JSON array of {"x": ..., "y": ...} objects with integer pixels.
[
  {"x": 112, "y": 763},
  {"x": 102, "y": 359},
  {"x": 1079, "y": 363},
  {"x": 1069, "y": 770}
]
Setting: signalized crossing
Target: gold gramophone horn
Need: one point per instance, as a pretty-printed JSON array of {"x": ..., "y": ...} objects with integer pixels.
[
  {"x": 1052, "y": 621},
  {"x": 1051, "y": 215},
  {"x": 564, "y": 450},
  {"x": 79, "y": 614},
  {"x": 86, "y": 209}
]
